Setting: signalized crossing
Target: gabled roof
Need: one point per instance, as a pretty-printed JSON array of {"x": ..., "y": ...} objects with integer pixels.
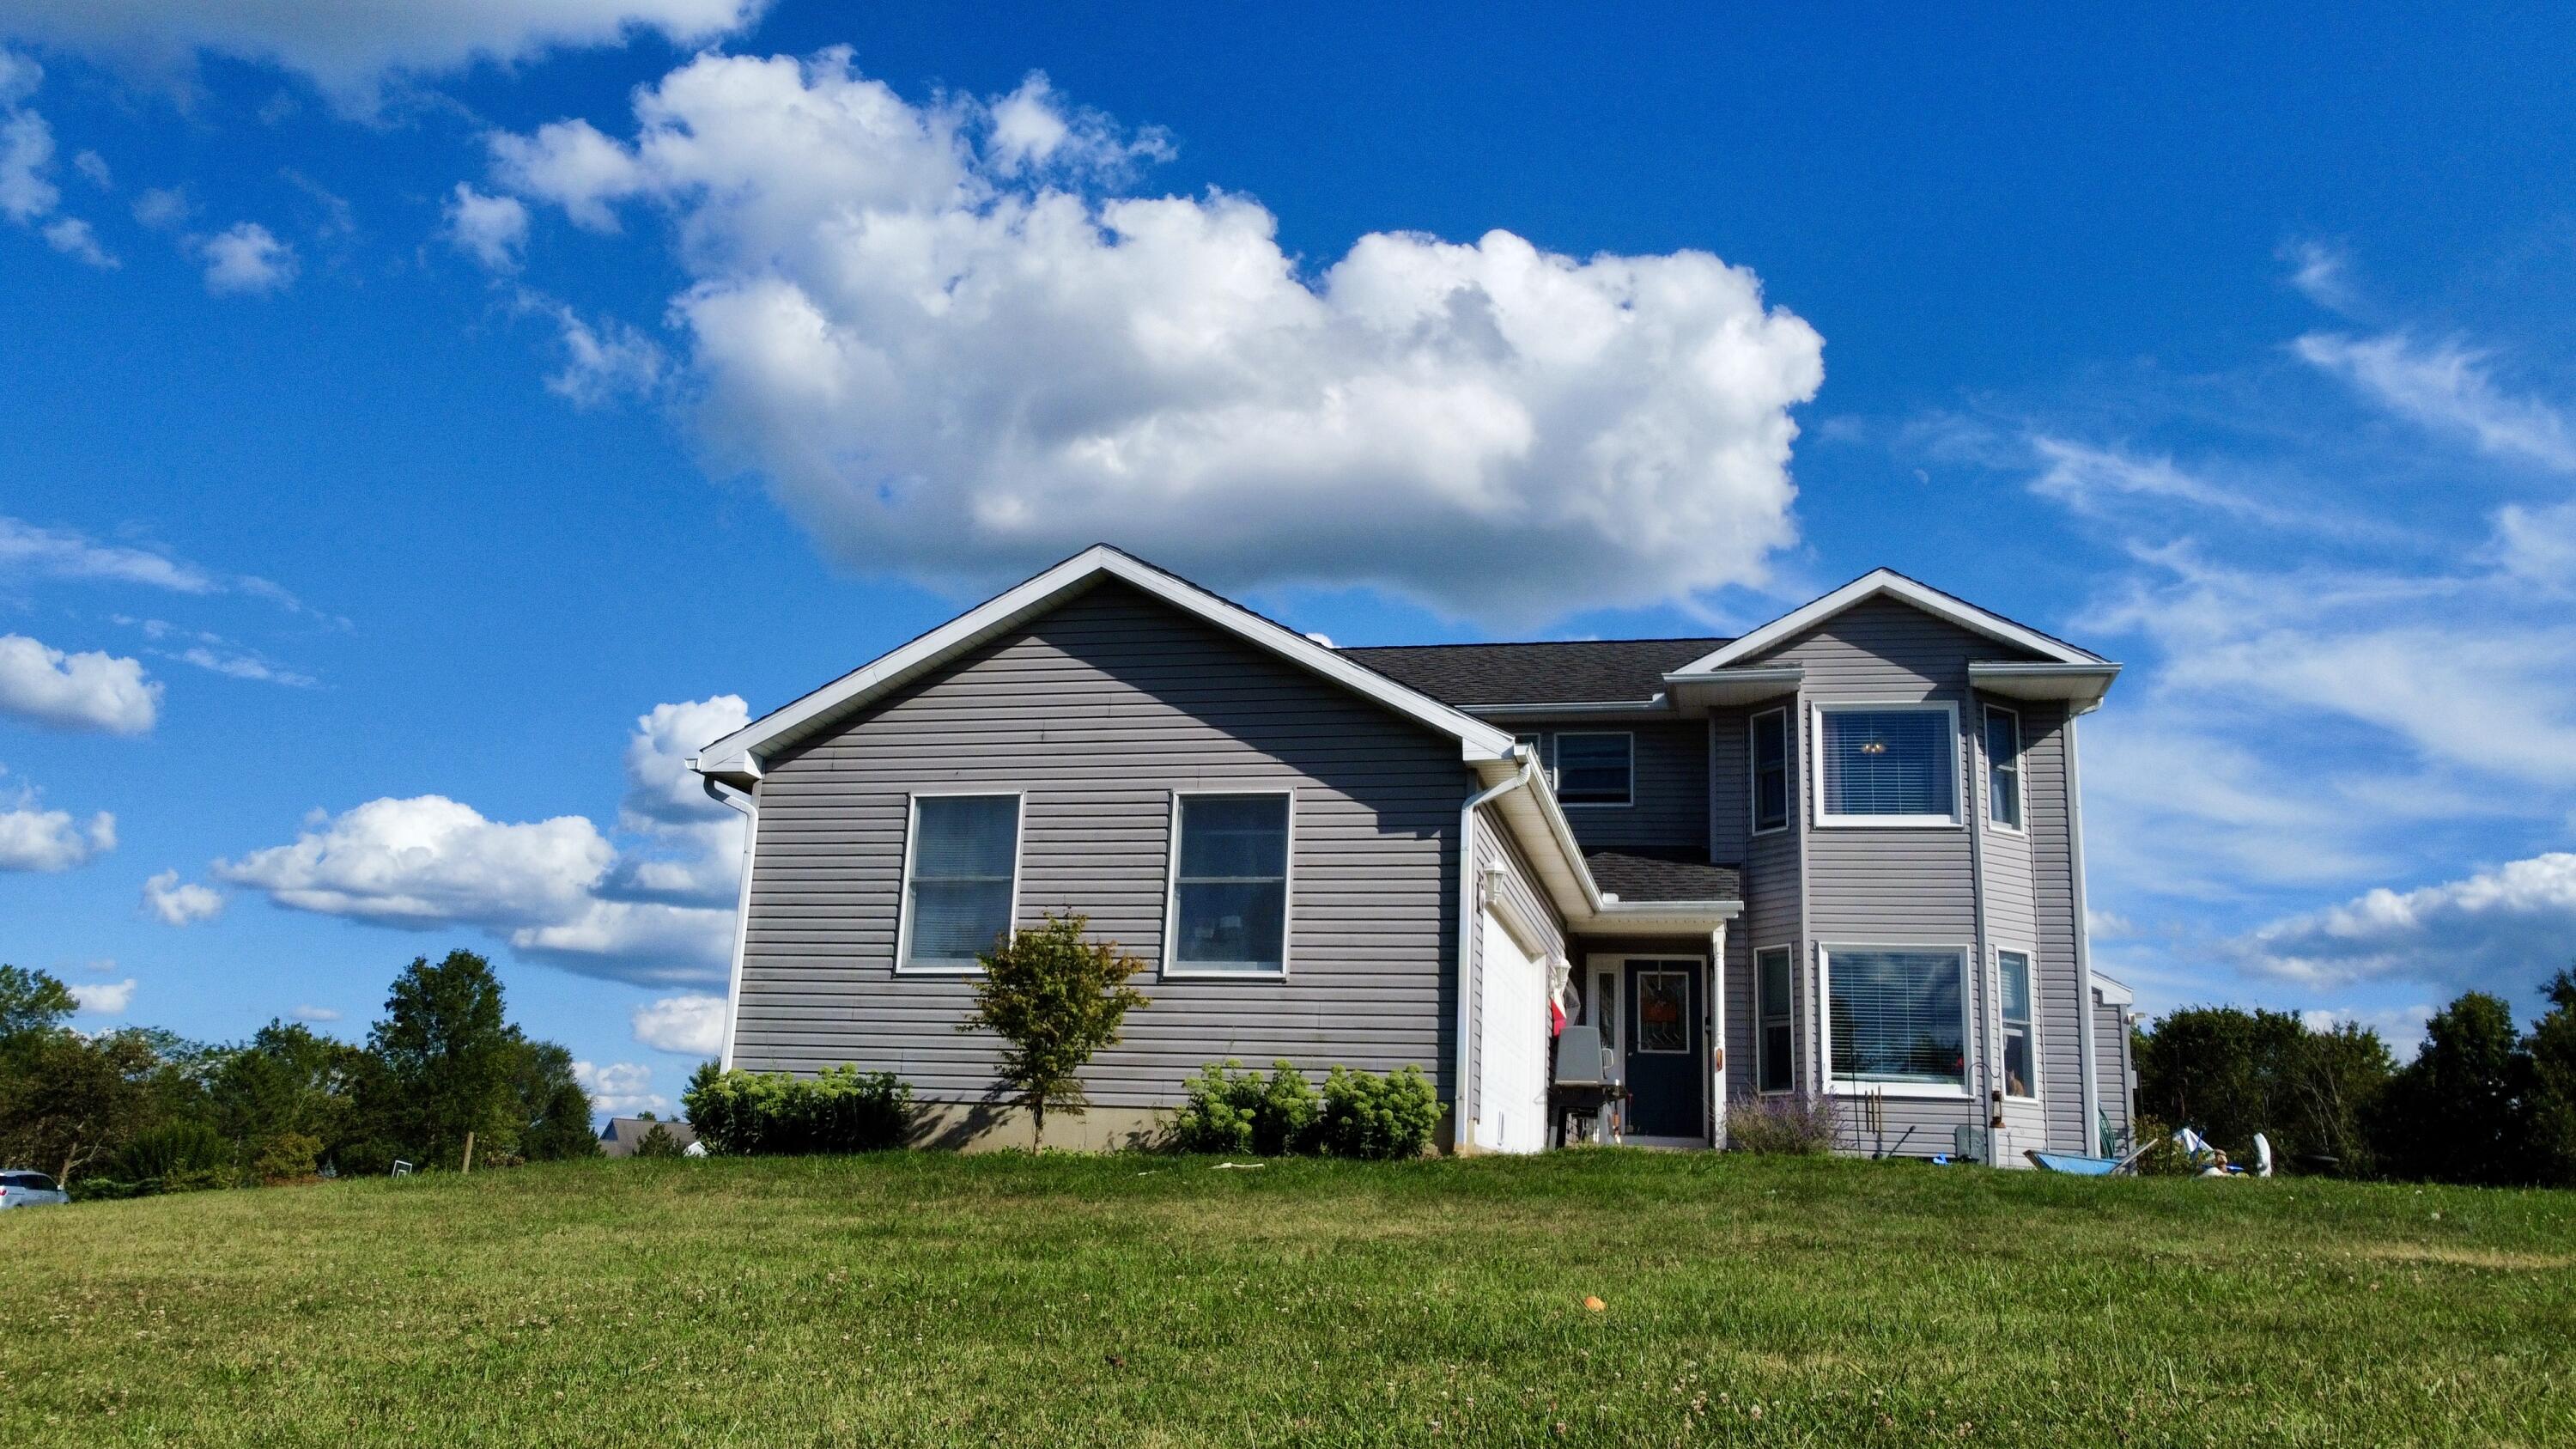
[
  {"x": 1889, "y": 583},
  {"x": 738, "y": 756},
  {"x": 1575, "y": 671}
]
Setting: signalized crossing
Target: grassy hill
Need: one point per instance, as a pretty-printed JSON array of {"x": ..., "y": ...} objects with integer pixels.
[{"x": 1066, "y": 1301}]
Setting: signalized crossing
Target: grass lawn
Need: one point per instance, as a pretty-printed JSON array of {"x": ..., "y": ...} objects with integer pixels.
[{"x": 1118, "y": 1300}]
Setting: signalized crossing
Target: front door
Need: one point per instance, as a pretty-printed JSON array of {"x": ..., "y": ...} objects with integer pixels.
[{"x": 1664, "y": 1044}]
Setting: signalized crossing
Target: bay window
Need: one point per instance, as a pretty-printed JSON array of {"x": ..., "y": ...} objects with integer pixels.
[
  {"x": 2013, "y": 969},
  {"x": 1770, "y": 770},
  {"x": 1887, "y": 764},
  {"x": 1774, "y": 1046},
  {"x": 2003, "y": 767}
]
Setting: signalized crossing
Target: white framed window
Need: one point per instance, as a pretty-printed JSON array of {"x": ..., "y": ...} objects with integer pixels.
[
  {"x": 1595, "y": 767},
  {"x": 1226, "y": 913},
  {"x": 1770, "y": 751},
  {"x": 1775, "y": 1026},
  {"x": 961, "y": 880},
  {"x": 2021, "y": 1059},
  {"x": 1897, "y": 1019},
  {"x": 1887, "y": 765},
  {"x": 2003, "y": 767}
]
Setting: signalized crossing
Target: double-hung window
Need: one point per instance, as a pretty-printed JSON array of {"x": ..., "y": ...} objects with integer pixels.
[
  {"x": 1898, "y": 1016},
  {"x": 1229, "y": 906},
  {"x": 961, "y": 878},
  {"x": 1595, "y": 767},
  {"x": 1774, "y": 1048},
  {"x": 1887, "y": 764},
  {"x": 2003, "y": 767},
  {"x": 2019, "y": 1078},
  {"x": 1770, "y": 770}
]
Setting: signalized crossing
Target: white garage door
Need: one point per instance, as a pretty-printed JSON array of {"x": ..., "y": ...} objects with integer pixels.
[{"x": 1511, "y": 1050}]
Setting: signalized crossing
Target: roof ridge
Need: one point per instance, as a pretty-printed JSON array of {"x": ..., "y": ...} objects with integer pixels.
[{"x": 1542, "y": 643}]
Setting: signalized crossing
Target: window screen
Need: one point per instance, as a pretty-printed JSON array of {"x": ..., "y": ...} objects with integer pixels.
[
  {"x": 1230, "y": 886},
  {"x": 965, "y": 849},
  {"x": 2003, "y": 767},
  {"x": 1771, "y": 770},
  {"x": 1593, "y": 769},
  {"x": 2014, "y": 968},
  {"x": 1892, "y": 762},
  {"x": 1774, "y": 1048},
  {"x": 1897, "y": 1017}
]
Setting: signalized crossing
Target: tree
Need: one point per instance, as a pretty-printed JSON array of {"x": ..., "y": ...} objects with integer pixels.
[
  {"x": 2454, "y": 1114},
  {"x": 31, "y": 1002},
  {"x": 2550, "y": 1127},
  {"x": 553, "y": 1118},
  {"x": 1057, "y": 1000},
  {"x": 2231, "y": 1073},
  {"x": 287, "y": 1081},
  {"x": 67, "y": 1100},
  {"x": 446, "y": 1057}
]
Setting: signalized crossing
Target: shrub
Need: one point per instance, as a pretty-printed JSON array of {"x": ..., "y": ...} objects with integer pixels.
[
  {"x": 1377, "y": 1117},
  {"x": 843, "y": 1109},
  {"x": 1232, "y": 1111},
  {"x": 1057, "y": 999},
  {"x": 2163, "y": 1157},
  {"x": 657, "y": 1143},
  {"x": 1798, "y": 1125},
  {"x": 287, "y": 1157},
  {"x": 179, "y": 1157}
]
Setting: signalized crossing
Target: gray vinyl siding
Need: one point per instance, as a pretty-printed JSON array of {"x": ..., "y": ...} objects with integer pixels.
[
  {"x": 1770, "y": 868},
  {"x": 1494, "y": 846},
  {"x": 2052, "y": 874},
  {"x": 1890, "y": 885},
  {"x": 1668, "y": 791},
  {"x": 1099, "y": 711},
  {"x": 2111, "y": 1047}
]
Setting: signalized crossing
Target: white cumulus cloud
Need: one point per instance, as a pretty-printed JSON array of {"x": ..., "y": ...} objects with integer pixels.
[
  {"x": 620, "y": 1088},
  {"x": 106, "y": 998},
  {"x": 177, "y": 904},
  {"x": 659, "y": 912},
  {"x": 958, "y": 346},
  {"x": 491, "y": 229},
  {"x": 247, "y": 259},
  {"x": 2501, "y": 930},
  {"x": 692, "y": 1025},
  {"x": 88, "y": 691},
  {"x": 36, "y": 839},
  {"x": 351, "y": 49}
]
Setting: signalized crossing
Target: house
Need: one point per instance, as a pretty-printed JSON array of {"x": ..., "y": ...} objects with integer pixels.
[
  {"x": 622, "y": 1134},
  {"x": 1841, "y": 855}
]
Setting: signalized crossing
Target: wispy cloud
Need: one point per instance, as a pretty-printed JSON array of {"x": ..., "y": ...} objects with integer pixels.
[{"x": 2446, "y": 386}]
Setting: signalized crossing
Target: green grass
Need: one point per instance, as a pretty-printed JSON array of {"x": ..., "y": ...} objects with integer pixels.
[{"x": 1119, "y": 1300}]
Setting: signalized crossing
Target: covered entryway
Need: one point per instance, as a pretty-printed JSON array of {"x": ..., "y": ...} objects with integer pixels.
[
  {"x": 1662, "y": 1009},
  {"x": 1511, "y": 1046}
]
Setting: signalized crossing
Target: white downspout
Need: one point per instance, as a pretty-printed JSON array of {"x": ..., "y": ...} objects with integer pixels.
[
  {"x": 748, "y": 802},
  {"x": 1460, "y": 1136},
  {"x": 1717, "y": 1013}
]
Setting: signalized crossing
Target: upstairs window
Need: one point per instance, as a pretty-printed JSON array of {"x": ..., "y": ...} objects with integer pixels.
[
  {"x": 1595, "y": 768},
  {"x": 1899, "y": 1017},
  {"x": 1771, "y": 771},
  {"x": 1775, "y": 1045},
  {"x": 1229, "y": 907},
  {"x": 961, "y": 878},
  {"x": 2003, "y": 767},
  {"x": 1887, "y": 765},
  {"x": 2019, "y": 1078}
]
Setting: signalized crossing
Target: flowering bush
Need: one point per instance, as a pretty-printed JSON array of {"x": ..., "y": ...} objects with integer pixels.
[
  {"x": 1798, "y": 1125},
  {"x": 841, "y": 1109}
]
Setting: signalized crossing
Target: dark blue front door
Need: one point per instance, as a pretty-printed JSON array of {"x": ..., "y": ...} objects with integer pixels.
[{"x": 1664, "y": 1041}]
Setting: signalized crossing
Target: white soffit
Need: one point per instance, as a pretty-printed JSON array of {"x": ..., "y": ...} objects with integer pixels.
[{"x": 739, "y": 754}]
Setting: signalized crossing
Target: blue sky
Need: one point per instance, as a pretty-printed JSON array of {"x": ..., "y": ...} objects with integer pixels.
[{"x": 419, "y": 431}]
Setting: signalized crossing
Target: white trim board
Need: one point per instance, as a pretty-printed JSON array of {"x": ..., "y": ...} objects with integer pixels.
[
  {"x": 1890, "y": 583},
  {"x": 738, "y": 756}
]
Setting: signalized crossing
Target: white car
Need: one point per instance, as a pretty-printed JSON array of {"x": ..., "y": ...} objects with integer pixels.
[{"x": 21, "y": 1188}]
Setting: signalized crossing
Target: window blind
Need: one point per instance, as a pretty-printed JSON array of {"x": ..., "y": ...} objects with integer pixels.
[
  {"x": 1888, "y": 762},
  {"x": 1897, "y": 1017}
]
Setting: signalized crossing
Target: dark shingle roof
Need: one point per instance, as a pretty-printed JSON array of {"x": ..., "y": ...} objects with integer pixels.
[
  {"x": 1577, "y": 671},
  {"x": 1638, "y": 876}
]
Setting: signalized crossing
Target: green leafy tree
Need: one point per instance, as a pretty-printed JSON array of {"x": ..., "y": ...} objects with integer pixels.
[
  {"x": 553, "y": 1109},
  {"x": 2230, "y": 1073},
  {"x": 31, "y": 1002},
  {"x": 1056, "y": 999},
  {"x": 2551, "y": 1103},
  {"x": 446, "y": 1059},
  {"x": 67, "y": 1101},
  {"x": 286, "y": 1081},
  {"x": 2455, "y": 1113}
]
